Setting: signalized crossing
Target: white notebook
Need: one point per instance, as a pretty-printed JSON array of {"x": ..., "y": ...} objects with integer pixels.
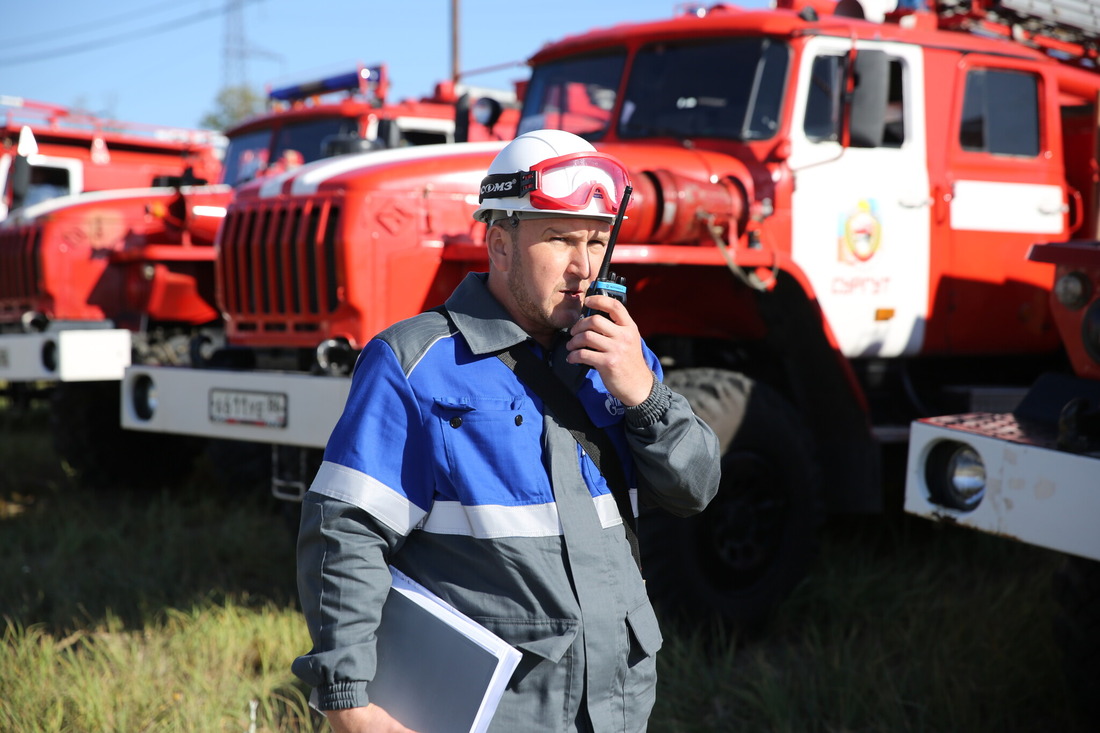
[{"x": 439, "y": 671}]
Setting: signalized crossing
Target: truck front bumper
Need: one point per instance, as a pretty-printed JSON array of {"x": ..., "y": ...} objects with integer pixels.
[
  {"x": 72, "y": 355},
  {"x": 280, "y": 408},
  {"x": 1033, "y": 492}
]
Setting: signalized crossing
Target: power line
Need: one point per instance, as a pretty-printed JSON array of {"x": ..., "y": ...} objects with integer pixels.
[
  {"x": 115, "y": 39},
  {"x": 112, "y": 20}
]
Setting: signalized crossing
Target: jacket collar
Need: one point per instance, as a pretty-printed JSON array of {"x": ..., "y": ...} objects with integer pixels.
[
  {"x": 480, "y": 317},
  {"x": 488, "y": 329}
]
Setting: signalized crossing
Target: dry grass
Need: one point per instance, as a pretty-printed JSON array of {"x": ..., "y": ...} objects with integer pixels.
[{"x": 175, "y": 611}]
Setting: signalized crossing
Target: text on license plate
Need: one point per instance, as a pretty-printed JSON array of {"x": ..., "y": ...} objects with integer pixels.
[{"x": 266, "y": 409}]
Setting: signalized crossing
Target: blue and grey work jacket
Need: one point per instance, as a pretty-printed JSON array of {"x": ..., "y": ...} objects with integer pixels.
[{"x": 445, "y": 465}]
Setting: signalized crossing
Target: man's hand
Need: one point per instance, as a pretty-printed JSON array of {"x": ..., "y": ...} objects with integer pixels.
[
  {"x": 371, "y": 719},
  {"x": 613, "y": 347}
]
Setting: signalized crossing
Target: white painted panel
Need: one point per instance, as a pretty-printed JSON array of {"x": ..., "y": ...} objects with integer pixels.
[
  {"x": 93, "y": 355},
  {"x": 1007, "y": 207},
  {"x": 79, "y": 355}
]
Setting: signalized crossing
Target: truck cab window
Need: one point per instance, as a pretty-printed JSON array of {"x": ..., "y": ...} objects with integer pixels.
[
  {"x": 574, "y": 94},
  {"x": 894, "y": 133},
  {"x": 47, "y": 183},
  {"x": 1000, "y": 113},
  {"x": 308, "y": 137},
  {"x": 424, "y": 137},
  {"x": 675, "y": 90},
  {"x": 246, "y": 156},
  {"x": 824, "y": 103}
]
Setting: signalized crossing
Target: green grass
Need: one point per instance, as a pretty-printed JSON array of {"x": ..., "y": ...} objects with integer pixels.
[{"x": 175, "y": 610}]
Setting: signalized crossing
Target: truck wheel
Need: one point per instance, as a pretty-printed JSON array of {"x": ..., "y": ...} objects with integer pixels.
[
  {"x": 89, "y": 437},
  {"x": 745, "y": 553},
  {"x": 1077, "y": 629}
]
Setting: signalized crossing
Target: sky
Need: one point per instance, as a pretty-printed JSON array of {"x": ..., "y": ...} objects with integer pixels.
[{"x": 163, "y": 62}]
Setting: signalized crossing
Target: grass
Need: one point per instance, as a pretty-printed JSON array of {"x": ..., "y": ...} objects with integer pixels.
[
  {"x": 902, "y": 627},
  {"x": 175, "y": 610}
]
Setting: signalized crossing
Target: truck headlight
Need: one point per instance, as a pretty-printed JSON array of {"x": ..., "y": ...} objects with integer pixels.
[
  {"x": 1073, "y": 290},
  {"x": 144, "y": 396},
  {"x": 49, "y": 355},
  {"x": 955, "y": 475}
]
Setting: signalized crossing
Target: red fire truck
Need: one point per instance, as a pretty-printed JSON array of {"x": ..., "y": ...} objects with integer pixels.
[
  {"x": 828, "y": 235},
  {"x": 92, "y": 283},
  {"x": 48, "y": 151},
  {"x": 1033, "y": 474}
]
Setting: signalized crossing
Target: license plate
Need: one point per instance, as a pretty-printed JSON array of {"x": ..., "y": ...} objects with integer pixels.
[{"x": 242, "y": 407}]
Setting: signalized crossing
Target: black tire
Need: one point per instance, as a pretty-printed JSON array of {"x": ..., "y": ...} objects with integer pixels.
[
  {"x": 1077, "y": 630},
  {"x": 89, "y": 437},
  {"x": 738, "y": 559}
]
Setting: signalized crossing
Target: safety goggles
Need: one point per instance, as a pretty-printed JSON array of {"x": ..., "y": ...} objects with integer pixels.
[{"x": 568, "y": 182}]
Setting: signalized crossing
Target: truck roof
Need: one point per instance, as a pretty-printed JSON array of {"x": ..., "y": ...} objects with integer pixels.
[
  {"x": 963, "y": 33},
  {"x": 56, "y": 124}
]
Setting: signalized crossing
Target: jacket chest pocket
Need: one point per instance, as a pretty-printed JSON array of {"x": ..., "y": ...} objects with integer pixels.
[{"x": 493, "y": 449}]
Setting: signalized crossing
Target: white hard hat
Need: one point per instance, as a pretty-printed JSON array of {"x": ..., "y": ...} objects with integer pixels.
[{"x": 552, "y": 172}]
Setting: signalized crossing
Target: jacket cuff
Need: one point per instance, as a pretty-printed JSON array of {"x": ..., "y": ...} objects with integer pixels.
[
  {"x": 653, "y": 409},
  {"x": 341, "y": 695}
]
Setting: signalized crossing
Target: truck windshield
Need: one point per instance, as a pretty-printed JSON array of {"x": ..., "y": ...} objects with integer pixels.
[
  {"x": 576, "y": 94},
  {"x": 728, "y": 88},
  {"x": 294, "y": 143}
]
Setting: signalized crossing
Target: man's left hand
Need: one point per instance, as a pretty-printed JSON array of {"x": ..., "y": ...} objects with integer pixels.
[{"x": 612, "y": 346}]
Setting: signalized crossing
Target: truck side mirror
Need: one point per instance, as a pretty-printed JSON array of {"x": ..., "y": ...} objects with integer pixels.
[
  {"x": 867, "y": 108},
  {"x": 487, "y": 111},
  {"x": 20, "y": 180},
  {"x": 462, "y": 119}
]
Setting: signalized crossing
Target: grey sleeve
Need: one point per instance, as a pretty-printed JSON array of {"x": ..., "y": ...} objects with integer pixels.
[
  {"x": 343, "y": 581},
  {"x": 676, "y": 454}
]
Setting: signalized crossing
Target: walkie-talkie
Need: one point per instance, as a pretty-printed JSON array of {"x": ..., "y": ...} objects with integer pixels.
[{"x": 606, "y": 282}]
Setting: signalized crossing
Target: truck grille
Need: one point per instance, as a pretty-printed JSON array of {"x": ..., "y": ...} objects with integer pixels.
[
  {"x": 278, "y": 260},
  {"x": 19, "y": 268}
]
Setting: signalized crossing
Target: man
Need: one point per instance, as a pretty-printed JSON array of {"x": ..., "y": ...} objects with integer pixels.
[{"x": 449, "y": 467}]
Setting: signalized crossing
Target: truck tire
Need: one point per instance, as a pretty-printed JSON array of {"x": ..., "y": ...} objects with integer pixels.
[
  {"x": 1077, "y": 630},
  {"x": 89, "y": 437},
  {"x": 739, "y": 558}
]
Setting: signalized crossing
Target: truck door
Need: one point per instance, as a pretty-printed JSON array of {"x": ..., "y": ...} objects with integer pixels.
[
  {"x": 860, "y": 213},
  {"x": 1004, "y": 191}
]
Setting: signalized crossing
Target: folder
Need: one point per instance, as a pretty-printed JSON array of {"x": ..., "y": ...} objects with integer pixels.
[{"x": 439, "y": 671}]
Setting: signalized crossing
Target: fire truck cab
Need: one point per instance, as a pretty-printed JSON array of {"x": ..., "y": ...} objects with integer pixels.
[
  {"x": 48, "y": 151},
  {"x": 831, "y": 210},
  {"x": 350, "y": 112},
  {"x": 97, "y": 280}
]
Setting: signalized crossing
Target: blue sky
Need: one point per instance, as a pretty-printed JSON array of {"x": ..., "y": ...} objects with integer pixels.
[{"x": 162, "y": 61}]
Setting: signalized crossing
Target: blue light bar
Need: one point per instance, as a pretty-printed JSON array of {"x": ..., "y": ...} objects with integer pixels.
[{"x": 338, "y": 83}]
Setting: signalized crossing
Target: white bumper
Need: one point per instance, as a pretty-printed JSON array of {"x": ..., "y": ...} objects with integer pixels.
[
  {"x": 1034, "y": 493},
  {"x": 66, "y": 356},
  {"x": 259, "y": 407}
]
